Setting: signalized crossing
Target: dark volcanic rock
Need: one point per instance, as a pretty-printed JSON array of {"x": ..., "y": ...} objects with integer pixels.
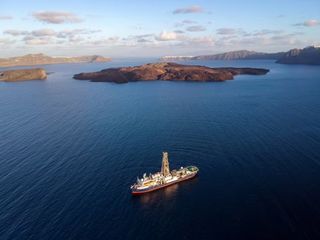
[
  {"x": 23, "y": 75},
  {"x": 167, "y": 71}
]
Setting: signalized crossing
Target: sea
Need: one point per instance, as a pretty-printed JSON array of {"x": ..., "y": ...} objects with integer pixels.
[{"x": 71, "y": 149}]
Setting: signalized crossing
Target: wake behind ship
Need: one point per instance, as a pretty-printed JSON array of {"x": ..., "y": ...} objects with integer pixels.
[{"x": 164, "y": 178}]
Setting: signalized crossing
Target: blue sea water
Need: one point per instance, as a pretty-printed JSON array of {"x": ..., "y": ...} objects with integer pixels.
[{"x": 69, "y": 151}]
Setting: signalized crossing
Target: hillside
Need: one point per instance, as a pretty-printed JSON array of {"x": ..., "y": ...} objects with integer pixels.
[
  {"x": 308, "y": 55},
  {"x": 39, "y": 59}
]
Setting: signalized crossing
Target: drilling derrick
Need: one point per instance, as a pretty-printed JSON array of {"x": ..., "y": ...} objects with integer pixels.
[{"x": 165, "y": 170}]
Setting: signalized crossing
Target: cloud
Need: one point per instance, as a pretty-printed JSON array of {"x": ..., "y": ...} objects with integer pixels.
[
  {"x": 37, "y": 41},
  {"x": 49, "y": 36},
  {"x": 50, "y": 32},
  {"x": 143, "y": 40},
  {"x": 228, "y": 31},
  {"x": 14, "y": 32},
  {"x": 6, "y": 41},
  {"x": 186, "y": 10},
  {"x": 56, "y": 17},
  {"x": 76, "y": 39},
  {"x": 67, "y": 33},
  {"x": 196, "y": 28},
  {"x": 167, "y": 36},
  {"x": 201, "y": 41},
  {"x": 105, "y": 41},
  {"x": 196, "y": 42},
  {"x": 43, "y": 32},
  {"x": 141, "y": 36},
  {"x": 32, "y": 40},
  {"x": 309, "y": 23},
  {"x": 264, "y": 32},
  {"x": 5, "y": 17},
  {"x": 185, "y": 22},
  {"x": 179, "y": 31},
  {"x": 270, "y": 41}
]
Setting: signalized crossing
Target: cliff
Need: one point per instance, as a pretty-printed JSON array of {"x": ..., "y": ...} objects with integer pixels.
[
  {"x": 167, "y": 72},
  {"x": 308, "y": 55},
  {"x": 238, "y": 55},
  {"x": 23, "y": 75},
  {"x": 38, "y": 59},
  {"x": 233, "y": 55}
]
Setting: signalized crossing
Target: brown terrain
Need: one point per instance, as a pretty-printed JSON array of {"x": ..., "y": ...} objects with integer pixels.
[
  {"x": 39, "y": 59},
  {"x": 23, "y": 75},
  {"x": 168, "y": 72}
]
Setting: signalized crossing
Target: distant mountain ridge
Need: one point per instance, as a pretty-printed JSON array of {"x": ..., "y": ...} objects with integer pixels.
[
  {"x": 38, "y": 59},
  {"x": 233, "y": 55},
  {"x": 308, "y": 55},
  {"x": 242, "y": 54}
]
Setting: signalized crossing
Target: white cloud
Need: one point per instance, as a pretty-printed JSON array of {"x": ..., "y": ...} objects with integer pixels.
[
  {"x": 31, "y": 40},
  {"x": 309, "y": 23},
  {"x": 105, "y": 41},
  {"x": 167, "y": 36},
  {"x": 204, "y": 41},
  {"x": 49, "y": 36},
  {"x": 6, "y": 41},
  {"x": 274, "y": 41},
  {"x": 56, "y": 17}
]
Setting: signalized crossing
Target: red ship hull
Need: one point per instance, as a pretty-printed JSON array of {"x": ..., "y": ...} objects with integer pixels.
[{"x": 134, "y": 192}]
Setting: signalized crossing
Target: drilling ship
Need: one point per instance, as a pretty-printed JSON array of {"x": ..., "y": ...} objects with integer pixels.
[{"x": 164, "y": 178}]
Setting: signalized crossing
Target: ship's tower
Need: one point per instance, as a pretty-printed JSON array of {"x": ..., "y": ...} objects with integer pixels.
[{"x": 165, "y": 170}]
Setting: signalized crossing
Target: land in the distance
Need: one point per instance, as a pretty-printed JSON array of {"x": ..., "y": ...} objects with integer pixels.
[
  {"x": 168, "y": 72},
  {"x": 40, "y": 59},
  {"x": 308, "y": 55}
]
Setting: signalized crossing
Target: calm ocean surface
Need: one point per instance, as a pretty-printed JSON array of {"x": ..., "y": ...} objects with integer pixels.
[{"x": 69, "y": 151}]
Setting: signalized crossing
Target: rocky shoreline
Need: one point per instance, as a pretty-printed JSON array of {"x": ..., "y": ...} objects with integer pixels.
[{"x": 23, "y": 75}]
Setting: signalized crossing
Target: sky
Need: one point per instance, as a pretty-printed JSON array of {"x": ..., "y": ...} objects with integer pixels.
[{"x": 140, "y": 28}]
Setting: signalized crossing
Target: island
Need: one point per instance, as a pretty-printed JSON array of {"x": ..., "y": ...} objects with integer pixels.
[
  {"x": 23, "y": 75},
  {"x": 308, "y": 55},
  {"x": 41, "y": 59},
  {"x": 167, "y": 71},
  {"x": 233, "y": 55}
]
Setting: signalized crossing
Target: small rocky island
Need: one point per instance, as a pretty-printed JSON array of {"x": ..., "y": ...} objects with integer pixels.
[
  {"x": 23, "y": 75},
  {"x": 168, "y": 72}
]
